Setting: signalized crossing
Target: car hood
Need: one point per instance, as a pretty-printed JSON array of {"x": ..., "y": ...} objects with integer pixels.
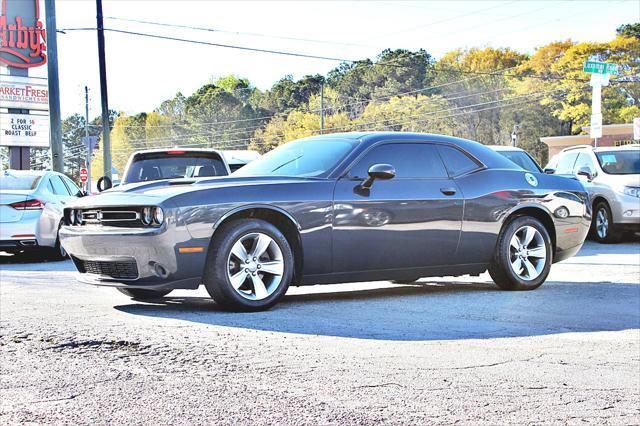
[
  {"x": 624, "y": 180},
  {"x": 155, "y": 192}
]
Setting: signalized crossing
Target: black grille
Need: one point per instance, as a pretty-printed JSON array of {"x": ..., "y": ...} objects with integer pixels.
[{"x": 123, "y": 269}]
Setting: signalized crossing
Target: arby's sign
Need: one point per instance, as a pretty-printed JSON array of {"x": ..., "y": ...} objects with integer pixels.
[{"x": 22, "y": 34}]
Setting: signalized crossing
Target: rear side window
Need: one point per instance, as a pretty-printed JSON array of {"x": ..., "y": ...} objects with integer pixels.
[
  {"x": 73, "y": 188},
  {"x": 418, "y": 160},
  {"x": 457, "y": 162},
  {"x": 167, "y": 165},
  {"x": 59, "y": 188},
  {"x": 566, "y": 162}
]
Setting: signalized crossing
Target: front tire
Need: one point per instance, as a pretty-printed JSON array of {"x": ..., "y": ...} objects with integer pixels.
[
  {"x": 249, "y": 265},
  {"x": 142, "y": 294},
  {"x": 603, "y": 228},
  {"x": 523, "y": 255}
]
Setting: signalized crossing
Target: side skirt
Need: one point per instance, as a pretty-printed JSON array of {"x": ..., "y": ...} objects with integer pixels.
[{"x": 395, "y": 274}]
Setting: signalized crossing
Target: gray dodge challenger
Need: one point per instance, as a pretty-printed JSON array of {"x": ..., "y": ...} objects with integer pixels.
[{"x": 329, "y": 209}]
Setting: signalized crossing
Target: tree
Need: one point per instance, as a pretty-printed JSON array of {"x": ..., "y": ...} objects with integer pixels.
[
  {"x": 409, "y": 114},
  {"x": 629, "y": 30},
  {"x": 297, "y": 124},
  {"x": 477, "y": 85},
  {"x": 568, "y": 93}
]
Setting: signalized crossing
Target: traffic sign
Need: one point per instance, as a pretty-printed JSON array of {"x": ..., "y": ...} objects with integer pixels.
[
  {"x": 597, "y": 67},
  {"x": 84, "y": 175},
  {"x": 595, "y": 129}
]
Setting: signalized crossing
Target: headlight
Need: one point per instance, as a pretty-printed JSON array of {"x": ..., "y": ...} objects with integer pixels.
[
  {"x": 158, "y": 215},
  {"x": 72, "y": 217},
  {"x": 147, "y": 216},
  {"x": 633, "y": 191},
  {"x": 77, "y": 214}
]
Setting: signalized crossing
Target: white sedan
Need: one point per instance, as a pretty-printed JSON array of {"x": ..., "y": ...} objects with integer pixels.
[{"x": 31, "y": 209}]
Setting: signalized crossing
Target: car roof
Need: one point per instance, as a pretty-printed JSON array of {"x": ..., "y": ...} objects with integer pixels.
[
  {"x": 505, "y": 148},
  {"x": 485, "y": 155},
  {"x": 602, "y": 148},
  {"x": 175, "y": 148}
]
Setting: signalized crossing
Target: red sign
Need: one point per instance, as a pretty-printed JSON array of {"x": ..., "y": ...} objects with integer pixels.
[
  {"x": 84, "y": 175},
  {"x": 22, "y": 34}
]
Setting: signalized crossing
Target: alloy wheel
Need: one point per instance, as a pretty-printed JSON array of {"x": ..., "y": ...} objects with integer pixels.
[
  {"x": 255, "y": 266},
  {"x": 528, "y": 253},
  {"x": 602, "y": 223}
]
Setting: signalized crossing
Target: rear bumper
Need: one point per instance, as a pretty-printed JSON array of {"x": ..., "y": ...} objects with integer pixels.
[
  {"x": 570, "y": 236},
  {"x": 19, "y": 235},
  {"x": 18, "y": 245},
  {"x": 135, "y": 258}
]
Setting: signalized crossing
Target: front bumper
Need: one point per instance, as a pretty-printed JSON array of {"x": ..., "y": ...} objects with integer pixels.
[
  {"x": 625, "y": 210},
  {"x": 147, "y": 258}
]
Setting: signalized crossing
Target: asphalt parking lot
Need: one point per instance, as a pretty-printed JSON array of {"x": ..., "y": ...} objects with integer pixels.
[{"x": 441, "y": 351}]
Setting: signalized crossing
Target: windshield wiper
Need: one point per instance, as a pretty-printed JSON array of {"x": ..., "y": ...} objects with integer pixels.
[{"x": 288, "y": 162}]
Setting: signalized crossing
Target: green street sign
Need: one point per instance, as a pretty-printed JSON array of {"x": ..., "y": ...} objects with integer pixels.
[{"x": 595, "y": 67}]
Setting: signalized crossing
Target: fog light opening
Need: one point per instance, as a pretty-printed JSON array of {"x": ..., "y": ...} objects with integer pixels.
[{"x": 160, "y": 270}]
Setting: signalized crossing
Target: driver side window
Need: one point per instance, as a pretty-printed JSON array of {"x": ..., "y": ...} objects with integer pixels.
[
  {"x": 411, "y": 160},
  {"x": 584, "y": 160}
]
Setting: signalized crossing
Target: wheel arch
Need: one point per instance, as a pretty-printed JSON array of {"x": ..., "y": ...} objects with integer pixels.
[
  {"x": 536, "y": 212},
  {"x": 597, "y": 199},
  {"x": 279, "y": 218}
]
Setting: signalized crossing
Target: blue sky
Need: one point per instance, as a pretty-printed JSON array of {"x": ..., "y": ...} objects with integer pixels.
[{"x": 142, "y": 72}]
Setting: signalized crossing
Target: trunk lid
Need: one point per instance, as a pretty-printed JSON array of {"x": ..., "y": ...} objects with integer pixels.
[{"x": 7, "y": 213}]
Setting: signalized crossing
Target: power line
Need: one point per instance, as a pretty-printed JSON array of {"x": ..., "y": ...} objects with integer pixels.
[
  {"x": 388, "y": 123},
  {"x": 208, "y": 43},
  {"x": 245, "y": 129},
  {"x": 251, "y": 34}
]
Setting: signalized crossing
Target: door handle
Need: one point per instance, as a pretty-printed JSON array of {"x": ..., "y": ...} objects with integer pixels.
[{"x": 448, "y": 191}]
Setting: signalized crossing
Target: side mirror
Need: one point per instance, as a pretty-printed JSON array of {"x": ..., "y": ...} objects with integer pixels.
[
  {"x": 549, "y": 170},
  {"x": 379, "y": 171},
  {"x": 586, "y": 172},
  {"x": 104, "y": 183}
]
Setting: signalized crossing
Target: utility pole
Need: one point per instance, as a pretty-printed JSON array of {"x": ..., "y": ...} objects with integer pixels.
[
  {"x": 86, "y": 135},
  {"x": 106, "y": 144},
  {"x": 322, "y": 108},
  {"x": 55, "y": 124}
]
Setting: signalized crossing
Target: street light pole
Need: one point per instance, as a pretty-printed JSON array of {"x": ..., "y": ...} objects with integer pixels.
[{"x": 106, "y": 144}]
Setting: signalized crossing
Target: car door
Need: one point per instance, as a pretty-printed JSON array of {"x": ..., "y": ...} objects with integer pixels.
[
  {"x": 57, "y": 195},
  {"x": 412, "y": 220}
]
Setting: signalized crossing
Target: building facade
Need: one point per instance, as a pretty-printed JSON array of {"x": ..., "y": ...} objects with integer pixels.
[{"x": 612, "y": 135}]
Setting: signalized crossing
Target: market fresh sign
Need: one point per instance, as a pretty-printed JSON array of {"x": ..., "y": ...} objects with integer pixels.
[
  {"x": 24, "y": 93},
  {"x": 24, "y": 130},
  {"x": 22, "y": 34}
]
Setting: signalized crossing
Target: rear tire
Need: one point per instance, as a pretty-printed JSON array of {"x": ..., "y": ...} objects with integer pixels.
[
  {"x": 523, "y": 255},
  {"x": 249, "y": 265},
  {"x": 142, "y": 294},
  {"x": 602, "y": 227}
]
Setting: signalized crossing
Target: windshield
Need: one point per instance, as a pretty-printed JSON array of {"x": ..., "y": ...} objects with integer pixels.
[
  {"x": 522, "y": 159},
  {"x": 620, "y": 162},
  {"x": 300, "y": 158},
  {"x": 165, "y": 165},
  {"x": 18, "y": 181}
]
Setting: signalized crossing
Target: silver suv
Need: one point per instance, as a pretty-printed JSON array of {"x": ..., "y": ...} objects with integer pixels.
[{"x": 611, "y": 175}]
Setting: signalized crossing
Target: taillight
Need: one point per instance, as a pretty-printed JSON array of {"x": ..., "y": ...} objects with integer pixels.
[
  {"x": 176, "y": 151},
  {"x": 32, "y": 204}
]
